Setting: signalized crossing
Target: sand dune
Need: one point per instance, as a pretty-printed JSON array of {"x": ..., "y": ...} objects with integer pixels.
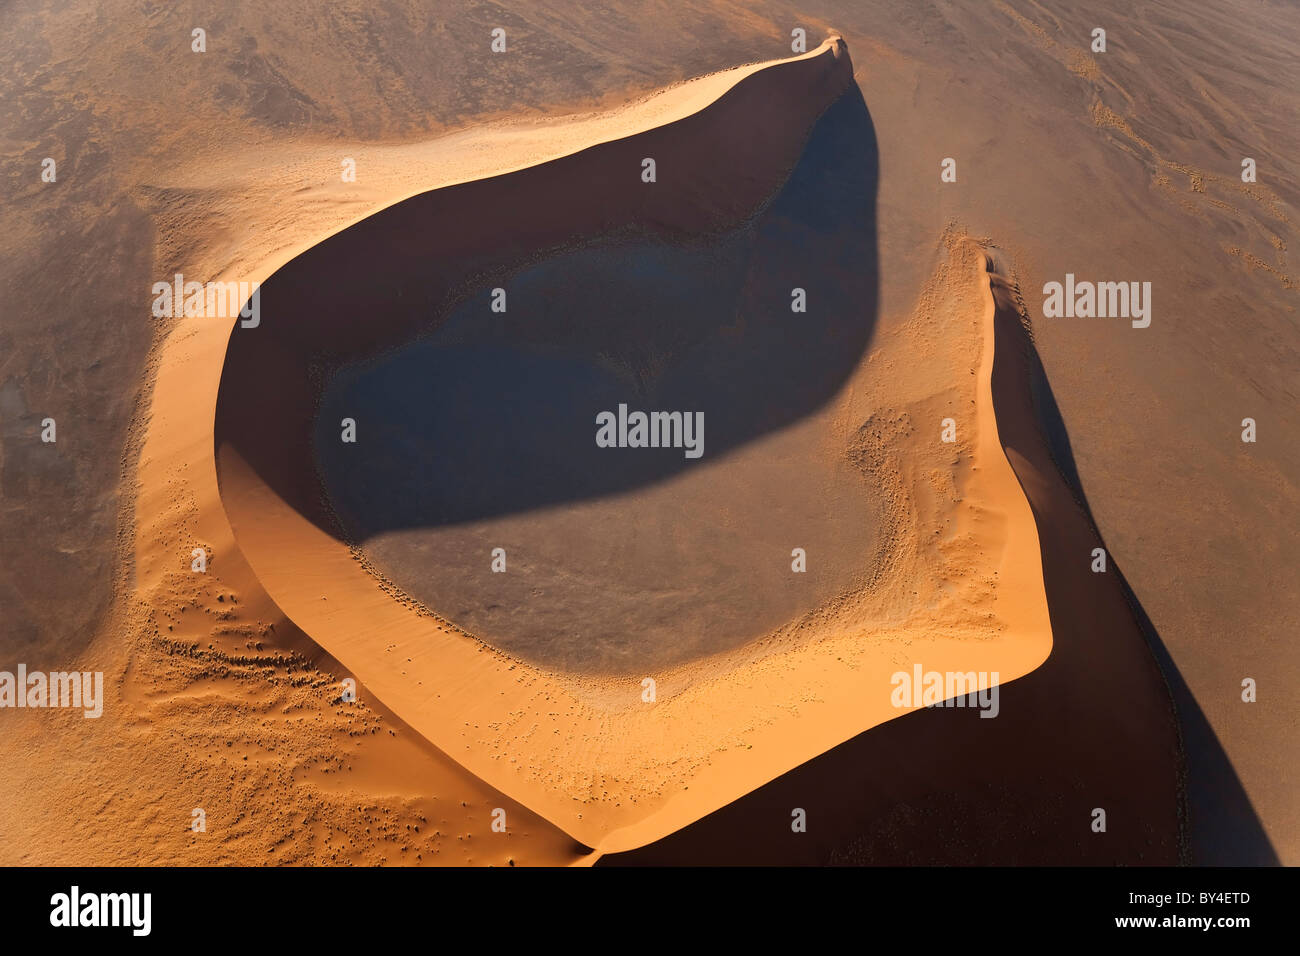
[
  {"x": 585, "y": 750},
  {"x": 523, "y": 691}
]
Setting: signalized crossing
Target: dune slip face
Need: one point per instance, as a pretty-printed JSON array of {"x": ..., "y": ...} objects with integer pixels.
[
  {"x": 1092, "y": 727},
  {"x": 614, "y": 745}
]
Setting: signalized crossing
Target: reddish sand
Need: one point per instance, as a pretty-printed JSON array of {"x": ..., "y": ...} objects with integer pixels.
[{"x": 224, "y": 687}]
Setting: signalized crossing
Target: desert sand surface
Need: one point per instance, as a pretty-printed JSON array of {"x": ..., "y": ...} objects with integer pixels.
[
  {"x": 588, "y": 752},
  {"x": 522, "y": 691}
]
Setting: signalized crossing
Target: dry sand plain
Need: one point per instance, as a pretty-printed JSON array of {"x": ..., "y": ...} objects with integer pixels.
[{"x": 1121, "y": 691}]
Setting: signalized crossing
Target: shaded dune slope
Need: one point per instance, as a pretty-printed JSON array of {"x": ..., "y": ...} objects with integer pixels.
[
  {"x": 394, "y": 276},
  {"x": 670, "y": 315},
  {"x": 1093, "y": 727},
  {"x": 1222, "y": 824}
]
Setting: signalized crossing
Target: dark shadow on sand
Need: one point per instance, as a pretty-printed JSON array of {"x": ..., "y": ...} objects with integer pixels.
[
  {"x": 1223, "y": 828},
  {"x": 1106, "y": 722},
  {"x": 495, "y": 412}
]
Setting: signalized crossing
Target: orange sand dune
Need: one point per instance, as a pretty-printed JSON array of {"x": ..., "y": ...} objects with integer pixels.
[{"x": 954, "y": 584}]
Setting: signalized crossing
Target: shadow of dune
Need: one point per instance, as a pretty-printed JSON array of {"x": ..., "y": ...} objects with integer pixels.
[
  {"x": 398, "y": 275},
  {"x": 493, "y": 413},
  {"x": 1222, "y": 826},
  {"x": 1093, "y": 728}
]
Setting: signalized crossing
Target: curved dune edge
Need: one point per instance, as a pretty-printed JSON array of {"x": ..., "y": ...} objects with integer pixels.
[
  {"x": 1093, "y": 727},
  {"x": 589, "y": 756},
  {"x": 958, "y": 296}
]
